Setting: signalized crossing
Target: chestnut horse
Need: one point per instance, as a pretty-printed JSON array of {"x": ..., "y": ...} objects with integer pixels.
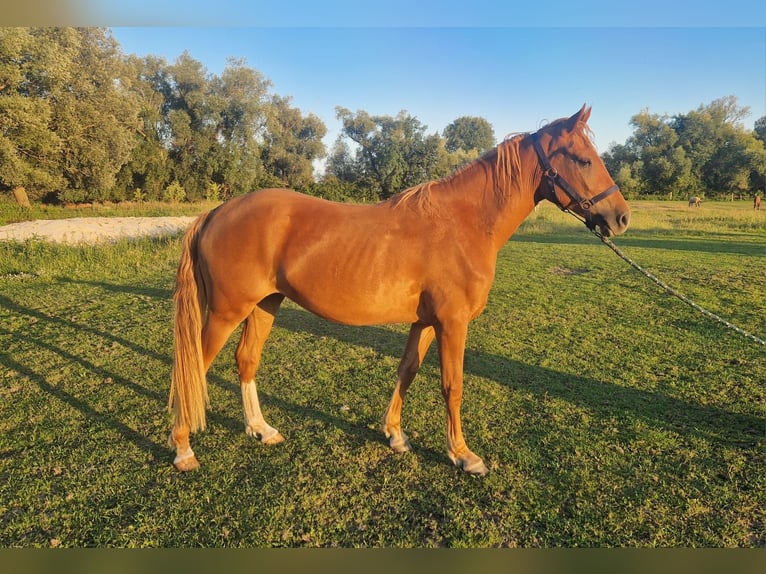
[{"x": 425, "y": 256}]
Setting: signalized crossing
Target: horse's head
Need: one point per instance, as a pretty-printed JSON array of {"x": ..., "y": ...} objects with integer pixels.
[{"x": 575, "y": 178}]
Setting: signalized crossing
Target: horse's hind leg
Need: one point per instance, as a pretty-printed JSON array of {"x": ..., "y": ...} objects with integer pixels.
[
  {"x": 254, "y": 334},
  {"x": 419, "y": 340},
  {"x": 216, "y": 331}
]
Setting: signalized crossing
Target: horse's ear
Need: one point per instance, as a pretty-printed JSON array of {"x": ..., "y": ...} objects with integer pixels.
[{"x": 580, "y": 117}]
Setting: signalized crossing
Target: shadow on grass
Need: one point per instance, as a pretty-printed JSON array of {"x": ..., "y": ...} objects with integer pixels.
[
  {"x": 736, "y": 243},
  {"x": 158, "y": 450},
  {"x": 603, "y": 399},
  {"x": 81, "y": 404}
]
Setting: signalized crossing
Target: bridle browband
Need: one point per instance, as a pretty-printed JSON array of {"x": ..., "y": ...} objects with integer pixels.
[{"x": 555, "y": 179}]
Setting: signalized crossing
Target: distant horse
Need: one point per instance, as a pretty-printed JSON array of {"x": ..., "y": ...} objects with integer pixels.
[
  {"x": 757, "y": 202},
  {"x": 426, "y": 256},
  {"x": 695, "y": 201}
]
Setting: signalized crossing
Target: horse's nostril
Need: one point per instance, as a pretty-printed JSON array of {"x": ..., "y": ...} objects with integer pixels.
[{"x": 624, "y": 220}]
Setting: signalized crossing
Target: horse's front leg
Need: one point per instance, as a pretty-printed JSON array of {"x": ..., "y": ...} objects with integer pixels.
[{"x": 451, "y": 339}]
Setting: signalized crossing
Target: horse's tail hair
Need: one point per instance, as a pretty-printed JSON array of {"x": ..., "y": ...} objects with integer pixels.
[{"x": 188, "y": 388}]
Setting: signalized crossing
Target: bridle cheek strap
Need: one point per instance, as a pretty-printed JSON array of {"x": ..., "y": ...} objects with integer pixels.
[{"x": 556, "y": 180}]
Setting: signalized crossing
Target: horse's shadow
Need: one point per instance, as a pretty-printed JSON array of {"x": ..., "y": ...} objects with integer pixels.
[
  {"x": 603, "y": 399},
  {"x": 600, "y": 398}
]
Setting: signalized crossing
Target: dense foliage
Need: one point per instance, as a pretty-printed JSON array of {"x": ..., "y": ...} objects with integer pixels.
[
  {"x": 704, "y": 152},
  {"x": 82, "y": 121}
]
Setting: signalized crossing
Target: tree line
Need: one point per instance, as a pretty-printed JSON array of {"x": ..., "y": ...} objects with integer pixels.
[
  {"x": 705, "y": 152},
  {"x": 82, "y": 121}
]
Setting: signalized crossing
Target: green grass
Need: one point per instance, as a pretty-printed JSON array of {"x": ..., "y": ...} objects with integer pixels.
[{"x": 610, "y": 413}]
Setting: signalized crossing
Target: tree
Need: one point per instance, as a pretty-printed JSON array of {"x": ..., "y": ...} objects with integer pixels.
[
  {"x": 203, "y": 131},
  {"x": 148, "y": 168},
  {"x": 448, "y": 162},
  {"x": 340, "y": 163},
  {"x": 622, "y": 162},
  {"x": 469, "y": 133},
  {"x": 705, "y": 151},
  {"x": 94, "y": 112},
  {"x": 726, "y": 110},
  {"x": 664, "y": 166},
  {"x": 192, "y": 122},
  {"x": 392, "y": 153},
  {"x": 723, "y": 154},
  {"x": 68, "y": 116},
  {"x": 758, "y": 173},
  {"x": 29, "y": 148},
  {"x": 292, "y": 142},
  {"x": 241, "y": 94},
  {"x": 80, "y": 118},
  {"x": 729, "y": 168},
  {"x": 760, "y": 129},
  {"x": 210, "y": 126}
]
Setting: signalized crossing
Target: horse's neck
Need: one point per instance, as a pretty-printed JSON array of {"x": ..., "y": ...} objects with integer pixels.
[{"x": 496, "y": 207}]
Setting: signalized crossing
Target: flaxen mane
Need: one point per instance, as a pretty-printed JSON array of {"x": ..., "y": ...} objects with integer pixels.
[{"x": 502, "y": 163}]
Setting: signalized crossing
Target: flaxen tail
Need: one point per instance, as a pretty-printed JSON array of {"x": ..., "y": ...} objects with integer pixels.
[{"x": 188, "y": 389}]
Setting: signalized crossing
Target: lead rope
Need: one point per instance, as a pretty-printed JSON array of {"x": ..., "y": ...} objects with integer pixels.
[{"x": 670, "y": 289}]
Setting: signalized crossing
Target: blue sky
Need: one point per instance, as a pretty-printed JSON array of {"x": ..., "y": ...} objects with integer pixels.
[{"x": 516, "y": 64}]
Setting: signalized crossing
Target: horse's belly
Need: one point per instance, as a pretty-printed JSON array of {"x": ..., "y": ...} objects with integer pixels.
[
  {"x": 353, "y": 302},
  {"x": 359, "y": 315},
  {"x": 349, "y": 275}
]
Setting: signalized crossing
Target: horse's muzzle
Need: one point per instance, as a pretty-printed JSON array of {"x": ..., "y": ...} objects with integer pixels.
[{"x": 612, "y": 224}]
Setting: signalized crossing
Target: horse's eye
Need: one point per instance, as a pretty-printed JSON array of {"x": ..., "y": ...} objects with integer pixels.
[{"x": 583, "y": 161}]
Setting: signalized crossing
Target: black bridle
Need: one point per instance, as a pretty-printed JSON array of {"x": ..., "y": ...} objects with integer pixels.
[{"x": 555, "y": 179}]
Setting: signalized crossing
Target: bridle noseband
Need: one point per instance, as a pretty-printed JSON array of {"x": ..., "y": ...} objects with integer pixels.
[{"x": 555, "y": 179}]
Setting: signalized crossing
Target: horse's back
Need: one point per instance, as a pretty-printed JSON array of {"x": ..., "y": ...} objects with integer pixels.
[{"x": 268, "y": 215}]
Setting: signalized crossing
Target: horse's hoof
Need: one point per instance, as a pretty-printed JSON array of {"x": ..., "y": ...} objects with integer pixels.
[
  {"x": 478, "y": 468},
  {"x": 274, "y": 439},
  {"x": 471, "y": 464},
  {"x": 269, "y": 436},
  {"x": 398, "y": 442},
  {"x": 402, "y": 445},
  {"x": 186, "y": 464}
]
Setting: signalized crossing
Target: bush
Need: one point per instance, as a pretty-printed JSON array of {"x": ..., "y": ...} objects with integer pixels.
[
  {"x": 213, "y": 191},
  {"x": 174, "y": 192},
  {"x": 335, "y": 190},
  {"x": 73, "y": 196}
]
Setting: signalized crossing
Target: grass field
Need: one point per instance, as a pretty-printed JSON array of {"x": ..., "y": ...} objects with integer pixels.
[{"x": 610, "y": 413}]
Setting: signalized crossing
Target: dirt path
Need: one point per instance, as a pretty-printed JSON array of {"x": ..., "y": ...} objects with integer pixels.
[{"x": 93, "y": 229}]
